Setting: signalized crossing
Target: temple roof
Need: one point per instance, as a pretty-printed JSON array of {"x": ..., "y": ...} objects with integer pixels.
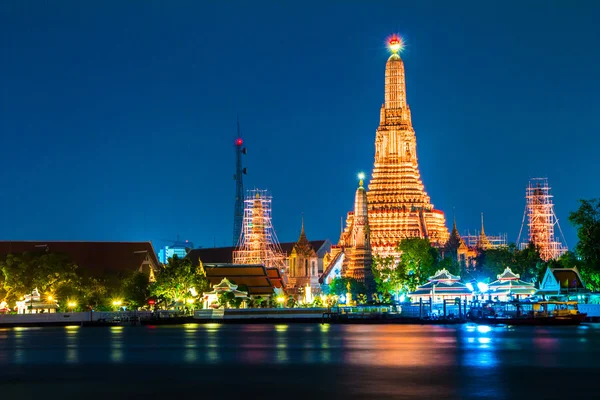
[
  {"x": 97, "y": 258},
  {"x": 257, "y": 278},
  {"x": 508, "y": 275},
  {"x": 303, "y": 246},
  {"x": 442, "y": 288},
  {"x": 224, "y": 255},
  {"x": 511, "y": 284},
  {"x": 568, "y": 278},
  {"x": 225, "y": 283},
  {"x": 443, "y": 275}
]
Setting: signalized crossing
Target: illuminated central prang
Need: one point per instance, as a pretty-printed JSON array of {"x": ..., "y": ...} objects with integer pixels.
[{"x": 398, "y": 205}]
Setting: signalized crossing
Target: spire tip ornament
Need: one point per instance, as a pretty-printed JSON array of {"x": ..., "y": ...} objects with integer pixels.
[
  {"x": 361, "y": 178},
  {"x": 395, "y": 43}
]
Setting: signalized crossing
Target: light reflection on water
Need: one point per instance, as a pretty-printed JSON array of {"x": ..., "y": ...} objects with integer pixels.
[
  {"x": 364, "y": 361},
  {"x": 413, "y": 346},
  {"x": 116, "y": 344}
]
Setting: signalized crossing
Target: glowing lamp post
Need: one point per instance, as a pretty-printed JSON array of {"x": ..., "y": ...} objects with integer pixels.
[
  {"x": 280, "y": 300},
  {"x": 71, "y": 305},
  {"x": 117, "y": 304}
]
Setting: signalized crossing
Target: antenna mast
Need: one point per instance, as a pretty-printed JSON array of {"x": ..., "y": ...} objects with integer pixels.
[{"x": 238, "y": 211}]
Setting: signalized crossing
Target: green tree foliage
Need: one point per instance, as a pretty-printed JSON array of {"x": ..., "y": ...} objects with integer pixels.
[
  {"x": 136, "y": 289},
  {"x": 226, "y": 299},
  {"x": 317, "y": 302},
  {"x": 389, "y": 276},
  {"x": 361, "y": 298},
  {"x": 339, "y": 286},
  {"x": 419, "y": 259},
  {"x": 48, "y": 272},
  {"x": 587, "y": 221},
  {"x": 528, "y": 263},
  {"x": 291, "y": 302},
  {"x": 176, "y": 278},
  {"x": 492, "y": 262}
]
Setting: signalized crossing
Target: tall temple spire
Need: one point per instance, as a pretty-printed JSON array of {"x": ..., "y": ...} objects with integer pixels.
[
  {"x": 482, "y": 228},
  {"x": 398, "y": 205},
  {"x": 360, "y": 258},
  {"x": 483, "y": 242}
]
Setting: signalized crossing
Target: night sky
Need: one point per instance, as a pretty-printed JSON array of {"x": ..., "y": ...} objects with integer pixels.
[{"x": 117, "y": 119}]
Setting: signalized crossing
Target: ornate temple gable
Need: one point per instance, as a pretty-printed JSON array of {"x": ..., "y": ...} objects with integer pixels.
[
  {"x": 303, "y": 246},
  {"x": 444, "y": 275},
  {"x": 508, "y": 275}
]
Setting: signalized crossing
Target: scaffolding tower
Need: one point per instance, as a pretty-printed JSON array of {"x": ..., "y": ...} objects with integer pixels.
[
  {"x": 258, "y": 243},
  {"x": 539, "y": 211}
]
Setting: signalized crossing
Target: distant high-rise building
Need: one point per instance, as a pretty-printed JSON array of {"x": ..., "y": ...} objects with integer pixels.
[
  {"x": 398, "y": 205},
  {"x": 179, "y": 248}
]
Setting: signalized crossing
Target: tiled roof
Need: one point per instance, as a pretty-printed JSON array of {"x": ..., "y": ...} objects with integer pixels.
[
  {"x": 224, "y": 255},
  {"x": 508, "y": 275},
  {"x": 444, "y": 275},
  {"x": 254, "y": 277},
  {"x": 95, "y": 257},
  {"x": 568, "y": 279},
  {"x": 442, "y": 289}
]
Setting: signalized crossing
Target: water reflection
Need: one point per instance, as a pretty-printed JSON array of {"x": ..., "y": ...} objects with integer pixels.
[
  {"x": 212, "y": 343},
  {"x": 72, "y": 354},
  {"x": 116, "y": 344},
  {"x": 281, "y": 344}
]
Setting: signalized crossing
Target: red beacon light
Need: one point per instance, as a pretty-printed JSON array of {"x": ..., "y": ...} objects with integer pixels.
[{"x": 239, "y": 142}]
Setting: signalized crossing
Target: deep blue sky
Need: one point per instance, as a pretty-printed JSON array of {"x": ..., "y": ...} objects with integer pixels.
[{"x": 117, "y": 119}]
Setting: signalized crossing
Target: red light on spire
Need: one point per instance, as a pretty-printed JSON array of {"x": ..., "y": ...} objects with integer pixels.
[{"x": 239, "y": 142}]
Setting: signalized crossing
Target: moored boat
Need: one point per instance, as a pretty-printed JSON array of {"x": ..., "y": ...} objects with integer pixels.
[{"x": 522, "y": 313}]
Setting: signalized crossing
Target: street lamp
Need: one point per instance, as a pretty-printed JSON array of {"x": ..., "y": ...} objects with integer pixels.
[
  {"x": 280, "y": 300},
  {"x": 71, "y": 305},
  {"x": 117, "y": 303}
]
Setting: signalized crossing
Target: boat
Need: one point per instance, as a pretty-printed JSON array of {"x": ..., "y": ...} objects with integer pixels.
[{"x": 527, "y": 313}]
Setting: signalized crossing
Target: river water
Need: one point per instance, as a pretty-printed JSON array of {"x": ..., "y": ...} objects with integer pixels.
[{"x": 307, "y": 361}]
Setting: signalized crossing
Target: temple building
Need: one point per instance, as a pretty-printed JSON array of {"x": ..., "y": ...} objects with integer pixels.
[
  {"x": 509, "y": 286},
  {"x": 465, "y": 249},
  {"x": 352, "y": 257},
  {"x": 563, "y": 282},
  {"x": 441, "y": 286},
  {"x": 458, "y": 250},
  {"x": 211, "y": 299},
  {"x": 33, "y": 303},
  {"x": 303, "y": 264},
  {"x": 398, "y": 205}
]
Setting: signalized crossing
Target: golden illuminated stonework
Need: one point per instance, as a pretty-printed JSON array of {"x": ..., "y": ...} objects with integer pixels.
[{"x": 398, "y": 205}]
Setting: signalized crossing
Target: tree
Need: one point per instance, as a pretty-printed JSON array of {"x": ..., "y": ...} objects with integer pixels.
[
  {"x": 291, "y": 302},
  {"x": 50, "y": 273},
  {"x": 176, "y": 278},
  {"x": 136, "y": 289},
  {"x": 491, "y": 262},
  {"x": 339, "y": 286},
  {"x": 225, "y": 299},
  {"x": 528, "y": 263},
  {"x": 389, "y": 276},
  {"x": 317, "y": 302},
  {"x": 587, "y": 221},
  {"x": 419, "y": 259}
]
